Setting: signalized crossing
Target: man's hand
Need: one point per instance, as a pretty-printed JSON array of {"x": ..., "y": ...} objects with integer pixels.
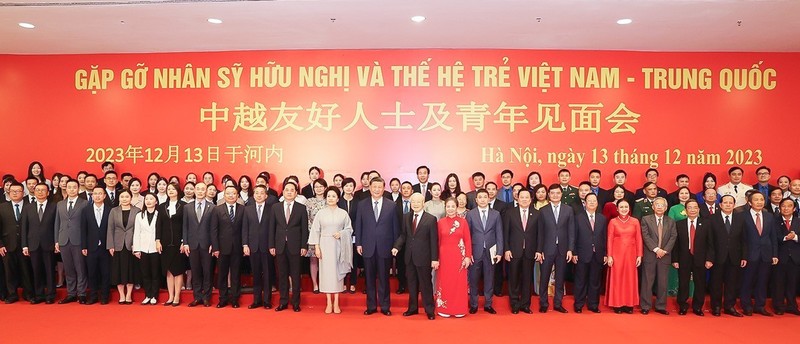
[
  {"x": 709, "y": 265},
  {"x": 539, "y": 257},
  {"x": 272, "y": 251},
  {"x": 508, "y": 256},
  {"x": 435, "y": 265},
  {"x": 394, "y": 252},
  {"x": 85, "y": 252},
  {"x": 743, "y": 263},
  {"x": 215, "y": 254},
  {"x": 246, "y": 250},
  {"x": 25, "y": 252},
  {"x": 676, "y": 265},
  {"x": 57, "y": 249},
  {"x": 360, "y": 250},
  {"x": 303, "y": 252},
  {"x": 569, "y": 256}
]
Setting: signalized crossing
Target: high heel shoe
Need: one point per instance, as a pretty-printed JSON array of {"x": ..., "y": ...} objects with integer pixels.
[{"x": 168, "y": 303}]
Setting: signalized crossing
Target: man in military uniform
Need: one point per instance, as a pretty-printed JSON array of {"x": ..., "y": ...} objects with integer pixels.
[
  {"x": 569, "y": 192},
  {"x": 652, "y": 176},
  {"x": 644, "y": 206}
]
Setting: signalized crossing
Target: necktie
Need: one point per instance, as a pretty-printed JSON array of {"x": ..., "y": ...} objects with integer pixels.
[
  {"x": 112, "y": 196},
  {"x": 711, "y": 209},
  {"x": 376, "y": 212},
  {"x": 405, "y": 207},
  {"x": 691, "y": 237},
  {"x": 483, "y": 219},
  {"x": 260, "y": 212},
  {"x": 32, "y": 199},
  {"x": 97, "y": 216},
  {"x": 595, "y": 191},
  {"x": 759, "y": 226},
  {"x": 16, "y": 211},
  {"x": 288, "y": 212},
  {"x": 69, "y": 209},
  {"x": 41, "y": 211},
  {"x": 787, "y": 224},
  {"x": 736, "y": 189},
  {"x": 555, "y": 213},
  {"x": 423, "y": 189},
  {"x": 660, "y": 227},
  {"x": 591, "y": 221},
  {"x": 728, "y": 223},
  {"x": 232, "y": 214},
  {"x": 524, "y": 219},
  {"x": 796, "y": 207},
  {"x": 508, "y": 195},
  {"x": 414, "y": 225},
  {"x": 199, "y": 212}
]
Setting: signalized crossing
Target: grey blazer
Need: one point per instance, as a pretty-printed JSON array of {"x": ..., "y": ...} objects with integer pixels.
[
  {"x": 68, "y": 223},
  {"x": 120, "y": 236},
  {"x": 650, "y": 237}
]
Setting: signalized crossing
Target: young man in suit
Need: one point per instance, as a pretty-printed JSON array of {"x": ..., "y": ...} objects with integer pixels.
[
  {"x": 692, "y": 255},
  {"x": 38, "y": 224},
  {"x": 556, "y": 243},
  {"x": 255, "y": 239},
  {"x": 288, "y": 243},
  {"x": 403, "y": 206},
  {"x": 478, "y": 180},
  {"x": 659, "y": 235},
  {"x": 68, "y": 243},
  {"x": 377, "y": 227},
  {"x": 94, "y": 233},
  {"x": 727, "y": 234},
  {"x": 501, "y": 207},
  {"x": 30, "y": 187},
  {"x": 594, "y": 183},
  {"x": 652, "y": 177},
  {"x": 226, "y": 245},
  {"x": 505, "y": 193},
  {"x": 111, "y": 182},
  {"x": 760, "y": 252},
  {"x": 17, "y": 272},
  {"x": 486, "y": 229},
  {"x": 763, "y": 186},
  {"x": 520, "y": 232},
  {"x": 423, "y": 187},
  {"x": 89, "y": 182},
  {"x": 620, "y": 177},
  {"x": 420, "y": 237},
  {"x": 197, "y": 245},
  {"x": 590, "y": 249},
  {"x": 773, "y": 206},
  {"x": 788, "y": 260}
]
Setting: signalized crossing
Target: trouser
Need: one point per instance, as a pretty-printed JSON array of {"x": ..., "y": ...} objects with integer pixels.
[
  {"x": 400, "y": 263},
  {"x": 419, "y": 280},
  {"x": 560, "y": 262},
  {"x": 200, "y": 263},
  {"x": 725, "y": 280},
  {"x": 588, "y": 276},
  {"x": 229, "y": 264},
  {"x": 44, "y": 267},
  {"x": 685, "y": 275},
  {"x": 151, "y": 274},
  {"x": 519, "y": 282},
  {"x": 481, "y": 268},
  {"x": 18, "y": 274},
  {"x": 262, "y": 292},
  {"x": 74, "y": 270},
  {"x": 288, "y": 265},
  {"x": 654, "y": 272},
  {"x": 500, "y": 271},
  {"x": 98, "y": 264},
  {"x": 376, "y": 271},
  {"x": 754, "y": 284},
  {"x": 785, "y": 286}
]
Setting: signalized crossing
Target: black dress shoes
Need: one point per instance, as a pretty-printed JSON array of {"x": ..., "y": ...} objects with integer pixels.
[
  {"x": 662, "y": 311},
  {"x": 763, "y": 312},
  {"x": 401, "y": 290},
  {"x": 367, "y": 312},
  {"x": 628, "y": 310},
  {"x": 36, "y": 301},
  {"x": 222, "y": 304},
  {"x": 560, "y": 309},
  {"x": 254, "y": 305},
  {"x": 68, "y": 299},
  {"x": 386, "y": 312},
  {"x": 698, "y": 312},
  {"x": 645, "y": 311},
  {"x": 49, "y": 302},
  {"x": 473, "y": 310},
  {"x": 779, "y": 312},
  {"x": 206, "y": 303},
  {"x": 617, "y": 310},
  {"x": 733, "y": 312},
  {"x": 682, "y": 311},
  {"x": 747, "y": 312},
  {"x": 281, "y": 308},
  {"x": 82, "y": 300},
  {"x": 542, "y": 309},
  {"x": 296, "y": 308},
  {"x": 194, "y": 303},
  {"x": 514, "y": 311},
  {"x": 431, "y": 316},
  {"x": 793, "y": 311},
  {"x": 594, "y": 310},
  {"x": 715, "y": 312},
  {"x": 267, "y": 306},
  {"x": 526, "y": 310},
  {"x": 578, "y": 310},
  {"x": 410, "y": 313},
  {"x": 489, "y": 310},
  {"x": 235, "y": 304}
]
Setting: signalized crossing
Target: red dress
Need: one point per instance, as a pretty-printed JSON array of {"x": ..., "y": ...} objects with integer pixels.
[
  {"x": 610, "y": 211},
  {"x": 451, "y": 280},
  {"x": 624, "y": 245}
]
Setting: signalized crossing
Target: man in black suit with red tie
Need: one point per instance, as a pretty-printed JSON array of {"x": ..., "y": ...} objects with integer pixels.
[
  {"x": 590, "y": 249},
  {"x": 420, "y": 237},
  {"x": 759, "y": 253},
  {"x": 226, "y": 244},
  {"x": 709, "y": 207},
  {"x": 288, "y": 242},
  {"x": 38, "y": 243},
  {"x": 255, "y": 239},
  {"x": 692, "y": 255},
  {"x": 520, "y": 232},
  {"x": 725, "y": 275},
  {"x": 788, "y": 260}
]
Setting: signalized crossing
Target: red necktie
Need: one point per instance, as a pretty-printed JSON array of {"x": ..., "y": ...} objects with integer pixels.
[
  {"x": 711, "y": 209},
  {"x": 691, "y": 238},
  {"x": 758, "y": 223},
  {"x": 414, "y": 225},
  {"x": 787, "y": 225}
]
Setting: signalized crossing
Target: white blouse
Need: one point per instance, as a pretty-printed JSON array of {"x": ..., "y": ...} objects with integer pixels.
[{"x": 144, "y": 233}]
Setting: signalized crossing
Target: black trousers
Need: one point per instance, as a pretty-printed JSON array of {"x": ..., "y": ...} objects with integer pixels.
[
  {"x": 400, "y": 263},
  {"x": 588, "y": 277},
  {"x": 262, "y": 291},
  {"x": 520, "y": 272},
  {"x": 18, "y": 274},
  {"x": 98, "y": 264},
  {"x": 376, "y": 269},
  {"x": 288, "y": 265},
  {"x": 419, "y": 280},
  {"x": 357, "y": 263},
  {"x": 43, "y": 264},
  {"x": 560, "y": 262},
  {"x": 725, "y": 281},
  {"x": 754, "y": 284},
  {"x": 500, "y": 274},
  {"x": 785, "y": 286},
  {"x": 229, "y": 264},
  {"x": 686, "y": 274},
  {"x": 151, "y": 274},
  {"x": 200, "y": 263}
]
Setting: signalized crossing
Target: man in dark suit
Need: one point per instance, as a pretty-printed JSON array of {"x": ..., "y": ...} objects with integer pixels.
[
  {"x": 505, "y": 192},
  {"x": 478, "y": 180},
  {"x": 520, "y": 232},
  {"x": 90, "y": 181},
  {"x": 423, "y": 187},
  {"x": 420, "y": 237},
  {"x": 494, "y": 202},
  {"x": 620, "y": 177},
  {"x": 652, "y": 177},
  {"x": 499, "y": 267},
  {"x": 377, "y": 227},
  {"x": 773, "y": 203},
  {"x": 288, "y": 243},
  {"x": 763, "y": 186},
  {"x": 788, "y": 260},
  {"x": 38, "y": 224},
  {"x": 602, "y": 194},
  {"x": 17, "y": 272},
  {"x": 94, "y": 233},
  {"x": 403, "y": 206},
  {"x": 727, "y": 239},
  {"x": 658, "y": 235},
  {"x": 692, "y": 255},
  {"x": 759, "y": 252},
  {"x": 681, "y": 181},
  {"x": 111, "y": 182},
  {"x": 30, "y": 185},
  {"x": 255, "y": 239},
  {"x": 226, "y": 245},
  {"x": 68, "y": 243},
  {"x": 584, "y": 188},
  {"x": 709, "y": 207},
  {"x": 556, "y": 243},
  {"x": 590, "y": 249},
  {"x": 197, "y": 244},
  {"x": 486, "y": 229}
]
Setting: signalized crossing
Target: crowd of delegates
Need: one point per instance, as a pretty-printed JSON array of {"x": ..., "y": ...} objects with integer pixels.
[{"x": 92, "y": 232}]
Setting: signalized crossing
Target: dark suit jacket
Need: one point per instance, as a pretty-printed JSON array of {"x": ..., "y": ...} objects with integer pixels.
[
  {"x": 514, "y": 236},
  {"x": 292, "y": 235},
  {"x": 113, "y": 203},
  {"x": 418, "y": 188},
  {"x": 10, "y": 228},
  {"x": 255, "y": 234},
  {"x": 308, "y": 191},
  {"x": 756, "y": 247},
  {"x": 226, "y": 236},
  {"x": 726, "y": 245},
  {"x": 703, "y": 244},
  {"x": 492, "y": 235},
  {"x": 586, "y": 238},
  {"x": 603, "y": 196},
  {"x": 94, "y": 238},
  {"x": 501, "y": 206},
  {"x": 549, "y": 230},
  {"x": 422, "y": 246},
  {"x": 197, "y": 234},
  {"x": 704, "y": 213},
  {"x": 169, "y": 227},
  {"x": 377, "y": 237},
  {"x": 640, "y": 193},
  {"x": 39, "y": 234},
  {"x": 788, "y": 250},
  {"x": 770, "y": 208}
]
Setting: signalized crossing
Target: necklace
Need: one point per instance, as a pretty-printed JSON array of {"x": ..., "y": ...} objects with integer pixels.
[{"x": 623, "y": 220}]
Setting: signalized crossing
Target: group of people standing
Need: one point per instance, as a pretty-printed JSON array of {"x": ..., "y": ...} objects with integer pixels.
[{"x": 441, "y": 242}]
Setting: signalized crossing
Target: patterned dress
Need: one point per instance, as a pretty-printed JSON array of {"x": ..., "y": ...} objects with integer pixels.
[{"x": 450, "y": 293}]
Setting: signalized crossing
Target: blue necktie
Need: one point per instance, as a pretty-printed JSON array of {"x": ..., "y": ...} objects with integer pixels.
[
  {"x": 405, "y": 207},
  {"x": 231, "y": 214},
  {"x": 16, "y": 212}
]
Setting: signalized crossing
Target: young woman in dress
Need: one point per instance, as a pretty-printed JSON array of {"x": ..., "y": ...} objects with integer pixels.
[
  {"x": 534, "y": 178},
  {"x": 152, "y": 180},
  {"x": 246, "y": 187},
  {"x": 610, "y": 209},
  {"x": 331, "y": 234},
  {"x": 161, "y": 190},
  {"x": 188, "y": 192},
  {"x": 452, "y": 186},
  {"x": 540, "y": 196}
]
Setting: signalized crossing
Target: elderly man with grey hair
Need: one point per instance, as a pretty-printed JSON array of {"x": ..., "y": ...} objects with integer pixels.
[{"x": 659, "y": 235}]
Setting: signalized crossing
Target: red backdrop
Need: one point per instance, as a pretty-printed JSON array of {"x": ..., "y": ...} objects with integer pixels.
[{"x": 73, "y": 111}]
